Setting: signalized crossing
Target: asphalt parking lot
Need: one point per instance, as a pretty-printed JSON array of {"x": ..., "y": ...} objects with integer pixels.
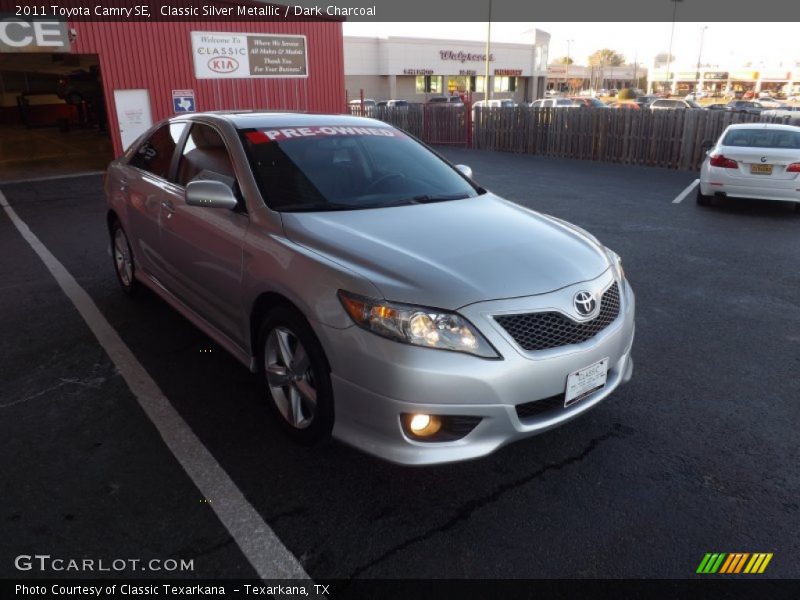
[{"x": 697, "y": 454}]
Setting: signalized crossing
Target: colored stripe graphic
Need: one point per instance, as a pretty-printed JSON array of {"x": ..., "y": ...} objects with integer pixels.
[
  {"x": 734, "y": 563},
  {"x": 711, "y": 563}
]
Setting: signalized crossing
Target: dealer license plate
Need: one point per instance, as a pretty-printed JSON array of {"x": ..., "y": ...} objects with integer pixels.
[
  {"x": 585, "y": 381},
  {"x": 761, "y": 169}
]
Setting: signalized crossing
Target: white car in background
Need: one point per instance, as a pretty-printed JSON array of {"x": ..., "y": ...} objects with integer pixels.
[
  {"x": 753, "y": 160},
  {"x": 554, "y": 103},
  {"x": 783, "y": 111}
]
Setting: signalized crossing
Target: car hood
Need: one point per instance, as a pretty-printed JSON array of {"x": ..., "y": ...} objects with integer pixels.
[{"x": 450, "y": 254}]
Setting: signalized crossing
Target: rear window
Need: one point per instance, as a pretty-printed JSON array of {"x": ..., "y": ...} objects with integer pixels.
[{"x": 762, "y": 138}]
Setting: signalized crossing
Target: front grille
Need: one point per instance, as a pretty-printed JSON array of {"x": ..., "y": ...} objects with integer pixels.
[{"x": 543, "y": 330}]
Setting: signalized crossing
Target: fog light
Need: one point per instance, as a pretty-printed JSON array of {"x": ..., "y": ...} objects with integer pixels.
[{"x": 424, "y": 425}]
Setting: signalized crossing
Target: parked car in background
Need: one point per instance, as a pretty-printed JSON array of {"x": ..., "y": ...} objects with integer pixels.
[
  {"x": 793, "y": 98},
  {"x": 753, "y": 160},
  {"x": 770, "y": 102},
  {"x": 583, "y": 102},
  {"x": 745, "y": 106},
  {"x": 717, "y": 106},
  {"x": 784, "y": 111},
  {"x": 397, "y": 103},
  {"x": 378, "y": 294},
  {"x": 699, "y": 95},
  {"x": 80, "y": 86},
  {"x": 673, "y": 104},
  {"x": 503, "y": 103},
  {"x": 554, "y": 103},
  {"x": 454, "y": 101},
  {"x": 644, "y": 101},
  {"x": 625, "y": 105},
  {"x": 612, "y": 93},
  {"x": 368, "y": 102}
]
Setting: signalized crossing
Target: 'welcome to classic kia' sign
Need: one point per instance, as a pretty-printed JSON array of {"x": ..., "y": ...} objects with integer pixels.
[{"x": 244, "y": 55}]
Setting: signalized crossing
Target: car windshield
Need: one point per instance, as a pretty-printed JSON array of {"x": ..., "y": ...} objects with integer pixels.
[
  {"x": 692, "y": 103},
  {"x": 327, "y": 168},
  {"x": 763, "y": 138}
]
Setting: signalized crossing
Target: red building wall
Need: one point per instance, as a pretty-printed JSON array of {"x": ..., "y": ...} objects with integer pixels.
[{"x": 158, "y": 57}]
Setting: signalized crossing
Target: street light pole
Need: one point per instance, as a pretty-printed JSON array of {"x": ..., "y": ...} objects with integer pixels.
[
  {"x": 566, "y": 68},
  {"x": 671, "y": 38},
  {"x": 699, "y": 57},
  {"x": 488, "y": 50}
]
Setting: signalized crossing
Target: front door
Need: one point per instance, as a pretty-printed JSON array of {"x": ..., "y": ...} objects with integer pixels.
[{"x": 203, "y": 246}]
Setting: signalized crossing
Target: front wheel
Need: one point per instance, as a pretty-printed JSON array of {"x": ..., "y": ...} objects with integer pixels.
[
  {"x": 702, "y": 199},
  {"x": 123, "y": 259},
  {"x": 296, "y": 376}
]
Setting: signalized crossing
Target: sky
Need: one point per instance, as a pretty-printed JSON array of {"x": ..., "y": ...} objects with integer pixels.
[{"x": 770, "y": 45}]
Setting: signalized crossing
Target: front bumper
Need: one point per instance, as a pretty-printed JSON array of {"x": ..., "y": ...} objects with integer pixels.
[{"x": 375, "y": 380}]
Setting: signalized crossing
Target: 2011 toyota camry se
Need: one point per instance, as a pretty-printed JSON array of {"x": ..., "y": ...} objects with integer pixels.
[{"x": 382, "y": 295}]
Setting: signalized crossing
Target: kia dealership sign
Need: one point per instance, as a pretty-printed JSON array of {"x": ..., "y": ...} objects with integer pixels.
[{"x": 244, "y": 55}]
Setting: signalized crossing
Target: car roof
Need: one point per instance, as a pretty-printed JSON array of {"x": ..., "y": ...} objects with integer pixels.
[
  {"x": 764, "y": 126},
  {"x": 256, "y": 119}
]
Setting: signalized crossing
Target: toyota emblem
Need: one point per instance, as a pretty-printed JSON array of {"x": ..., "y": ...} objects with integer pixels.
[{"x": 585, "y": 304}]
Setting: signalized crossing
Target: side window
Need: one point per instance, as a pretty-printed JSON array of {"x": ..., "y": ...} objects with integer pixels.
[
  {"x": 155, "y": 154},
  {"x": 204, "y": 156}
]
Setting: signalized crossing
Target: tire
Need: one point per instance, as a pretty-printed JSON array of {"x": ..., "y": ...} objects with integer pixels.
[
  {"x": 122, "y": 257},
  {"x": 296, "y": 376},
  {"x": 702, "y": 199}
]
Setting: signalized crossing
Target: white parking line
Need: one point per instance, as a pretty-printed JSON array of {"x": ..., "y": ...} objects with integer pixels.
[
  {"x": 686, "y": 192},
  {"x": 52, "y": 177},
  {"x": 266, "y": 553}
]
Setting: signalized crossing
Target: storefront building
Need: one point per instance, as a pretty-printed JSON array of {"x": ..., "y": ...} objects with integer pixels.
[
  {"x": 723, "y": 82},
  {"x": 128, "y": 75},
  {"x": 573, "y": 78},
  {"x": 415, "y": 69}
]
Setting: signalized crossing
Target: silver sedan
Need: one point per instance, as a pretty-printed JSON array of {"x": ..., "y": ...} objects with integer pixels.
[{"x": 382, "y": 296}]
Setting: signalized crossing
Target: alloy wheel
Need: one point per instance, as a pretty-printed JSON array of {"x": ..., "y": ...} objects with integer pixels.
[
  {"x": 290, "y": 377},
  {"x": 122, "y": 258}
]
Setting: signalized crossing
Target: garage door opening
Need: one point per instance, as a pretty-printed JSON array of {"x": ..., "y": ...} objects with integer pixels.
[{"x": 53, "y": 118}]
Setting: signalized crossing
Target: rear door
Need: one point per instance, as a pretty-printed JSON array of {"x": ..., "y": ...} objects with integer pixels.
[
  {"x": 145, "y": 186},
  {"x": 203, "y": 245}
]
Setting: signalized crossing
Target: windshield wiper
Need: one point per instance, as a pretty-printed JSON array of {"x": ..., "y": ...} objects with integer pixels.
[
  {"x": 427, "y": 199},
  {"x": 316, "y": 207}
]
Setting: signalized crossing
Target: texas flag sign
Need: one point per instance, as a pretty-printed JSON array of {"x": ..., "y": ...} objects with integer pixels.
[{"x": 183, "y": 101}]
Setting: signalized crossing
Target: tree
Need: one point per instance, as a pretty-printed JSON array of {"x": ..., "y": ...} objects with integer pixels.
[
  {"x": 606, "y": 57},
  {"x": 564, "y": 60},
  {"x": 662, "y": 58}
]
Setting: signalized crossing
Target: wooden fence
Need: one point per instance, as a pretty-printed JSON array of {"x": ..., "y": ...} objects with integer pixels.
[
  {"x": 660, "y": 138},
  {"x": 433, "y": 124}
]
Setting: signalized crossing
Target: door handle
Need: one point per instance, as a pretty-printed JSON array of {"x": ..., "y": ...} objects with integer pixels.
[{"x": 169, "y": 207}]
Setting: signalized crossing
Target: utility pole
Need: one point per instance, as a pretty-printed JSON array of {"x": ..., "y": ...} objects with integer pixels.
[
  {"x": 671, "y": 38},
  {"x": 486, "y": 93},
  {"x": 699, "y": 56},
  {"x": 566, "y": 68}
]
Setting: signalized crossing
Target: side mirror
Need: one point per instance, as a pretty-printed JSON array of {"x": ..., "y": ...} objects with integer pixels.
[
  {"x": 465, "y": 170},
  {"x": 211, "y": 194}
]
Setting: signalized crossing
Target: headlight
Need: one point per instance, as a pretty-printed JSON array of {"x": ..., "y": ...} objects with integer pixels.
[
  {"x": 416, "y": 325},
  {"x": 617, "y": 262}
]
